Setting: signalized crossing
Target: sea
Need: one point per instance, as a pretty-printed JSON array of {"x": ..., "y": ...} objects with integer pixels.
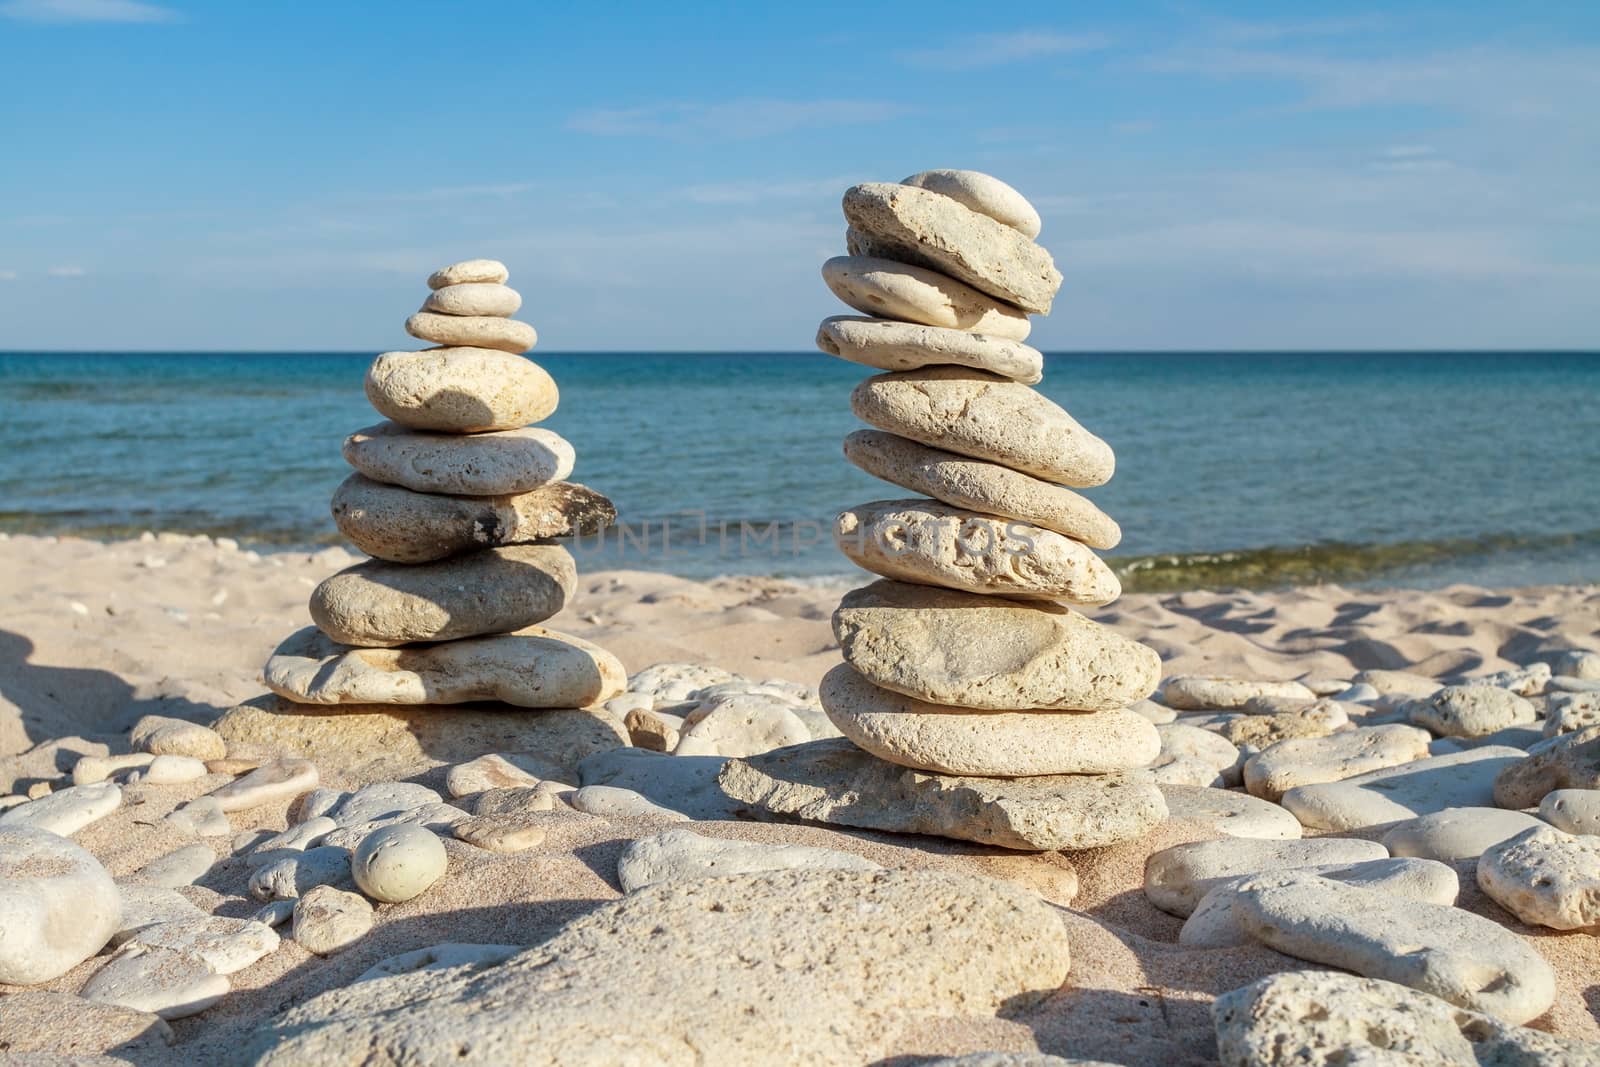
[{"x": 1248, "y": 470}]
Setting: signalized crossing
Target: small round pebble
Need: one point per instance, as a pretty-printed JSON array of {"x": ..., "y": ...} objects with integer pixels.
[{"x": 398, "y": 862}]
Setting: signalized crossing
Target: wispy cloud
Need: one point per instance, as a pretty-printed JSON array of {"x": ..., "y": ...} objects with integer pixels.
[
  {"x": 86, "y": 11},
  {"x": 754, "y": 117},
  {"x": 66, "y": 272},
  {"x": 8, "y": 275},
  {"x": 465, "y": 192},
  {"x": 752, "y": 192},
  {"x": 978, "y": 51},
  {"x": 1241, "y": 31}
]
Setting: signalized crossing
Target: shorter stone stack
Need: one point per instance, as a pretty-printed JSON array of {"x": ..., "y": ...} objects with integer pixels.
[
  {"x": 964, "y": 665},
  {"x": 458, "y": 499}
]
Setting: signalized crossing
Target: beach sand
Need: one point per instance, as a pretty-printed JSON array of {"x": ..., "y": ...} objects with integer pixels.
[{"x": 95, "y": 635}]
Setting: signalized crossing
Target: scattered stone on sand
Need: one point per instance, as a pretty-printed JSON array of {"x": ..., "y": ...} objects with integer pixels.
[
  {"x": 297, "y": 838},
  {"x": 683, "y": 855},
  {"x": 1229, "y": 813},
  {"x": 1317, "y": 1017},
  {"x": 170, "y": 770},
  {"x": 91, "y": 769},
  {"x": 1456, "y": 833},
  {"x": 472, "y": 331},
  {"x": 1458, "y": 780},
  {"x": 948, "y": 647},
  {"x": 202, "y": 816},
  {"x": 983, "y": 193},
  {"x": 460, "y": 390},
  {"x": 226, "y": 945},
  {"x": 984, "y": 416},
  {"x": 897, "y": 346},
  {"x": 722, "y": 965},
  {"x": 1214, "y": 924},
  {"x": 392, "y": 523},
  {"x": 982, "y": 486},
  {"x": 490, "y": 771},
  {"x": 890, "y": 290},
  {"x": 296, "y": 875},
  {"x": 514, "y": 800},
  {"x": 1545, "y": 877},
  {"x": 927, "y": 543},
  {"x": 835, "y": 782},
  {"x": 957, "y": 740},
  {"x": 614, "y": 802},
  {"x": 270, "y": 783},
  {"x": 1181, "y": 742},
  {"x": 494, "y": 463},
  {"x": 164, "y": 736},
  {"x": 398, "y": 862},
  {"x": 58, "y": 906},
  {"x": 1311, "y": 761},
  {"x": 1568, "y": 761},
  {"x": 64, "y": 811},
  {"x": 181, "y": 866},
  {"x": 1453, "y": 954},
  {"x": 328, "y": 920},
  {"x": 497, "y": 591},
  {"x": 1191, "y": 692},
  {"x": 1577, "y": 811},
  {"x": 163, "y": 981},
  {"x": 532, "y": 668},
  {"x": 148, "y": 905},
  {"x": 1176, "y": 878},
  {"x": 1470, "y": 711},
  {"x": 1570, "y": 712},
  {"x": 500, "y": 832},
  {"x": 927, "y": 229}
]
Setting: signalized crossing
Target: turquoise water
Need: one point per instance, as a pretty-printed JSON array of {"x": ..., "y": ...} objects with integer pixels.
[{"x": 1250, "y": 469}]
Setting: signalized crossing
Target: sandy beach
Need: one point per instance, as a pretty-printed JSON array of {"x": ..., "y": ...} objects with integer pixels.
[{"x": 97, "y": 635}]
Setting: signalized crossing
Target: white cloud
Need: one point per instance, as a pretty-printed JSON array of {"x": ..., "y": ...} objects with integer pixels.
[
  {"x": 66, "y": 272},
  {"x": 978, "y": 51},
  {"x": 755, "y": 191},
  {"x": 753, "y": 117},
  {"x": 86, "y": 11}
]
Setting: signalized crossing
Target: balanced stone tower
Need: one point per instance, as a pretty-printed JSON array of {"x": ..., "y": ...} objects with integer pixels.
[
  {"x": 991, "y": 710},
  {"x": 458, "y": 499}
]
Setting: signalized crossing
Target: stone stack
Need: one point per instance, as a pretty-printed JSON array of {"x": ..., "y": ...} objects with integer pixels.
[
  {"x": 965, "y": 665},
  {"x": 458, "y": 499}
]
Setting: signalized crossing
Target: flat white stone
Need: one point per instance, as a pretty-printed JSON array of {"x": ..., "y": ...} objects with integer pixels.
[
  {"x": 894, "y": 346},
  {"x": 1176, "y": 878},
  {"x": 1190, "y": 743},
  {"x": 1188, "y": 692},
  {"x": 442, "y": 957},
  {"x": 1313, "y": 760},
  {"x": 1213, "y": 924},
  {"x": 181, "y": 866},
  {"x": 1230, "y": 813},
  {"x": 1577, "y": 811},
  {"x": 164, "y": 736},
  {"x": 490, "y": 771},
  {"x": 461, "y": 389},
  {"x": 683, "y": 855},
  {"x": 294, "y": 876},
  {"x": 473, "y": 331},
  {"x": 58, "y": 906},
  {"x": 613, "y": 802},
  {"x": 296, "y": 838},
  {"x": 226, "y": 945},
  {"x": 476, "y": 464},
  {"x": 91, "y": 769},
  {"x": 274, "y": 782},
  {"x": 203, "y": 816},
  {"x": 65, "y": 811},
  {"x": 164, "y": 982},
  {"x": 1459, "y": 780},
  {"x": 1453, "y": 954},
  {"x": 983, "y": 193},
  {"x": 398, "y": 862},
  {"x": 474, "y": 298},
  {"x": 490, "y": 271},
  {"x": 329, "y": 920},
  {"x": 171, "y": 770},
  {"x": 1545, "y": 877},
  {"x": 889, "y": 290},
  {"x": 1456, "y": 833},
  {"x": 147, "y": 905}
]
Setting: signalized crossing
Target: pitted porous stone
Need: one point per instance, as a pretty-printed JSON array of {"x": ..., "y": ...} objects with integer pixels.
[
  {"x": 396, "y": 524},
  {"x": 1577, "y": 811},
  {"x": 835, "y": 782},
  {"x": 532, "y": 668},
  {"x": 488, "y": 271},
  {"x": 1470, "y": 711},
  {"x": 981, "y": 486},
  {"x": 927, "y": 543},
  {"x": 949, "y": 647},
  {"x": 380, "y": 604},
  {"x": 460, "y": 390},
  {"x": 714, "y": 971},
  {"x": 984, "y": 416},
  {"x": 495, "y": 463},
  {"x": 927, "y": 229},
  {"x": 1567, "y": 761},
  {"x": 983, "y": 193},
  {"x": 950, "y": 740},
  {"x": 473, "y": 331},
  {"x": 1570, "y": 712},
  {"x": 1229, "y": 813},
  {"x": 889, "y": 290},
  {"x": 1299, "y": 1018},
  {"x": 893, "y": 346},
  {"x": 1545, "y": 877},
  {"x": 474, "y": 298},
  {"x": 1192, "y": 692},
  {"x": 1457, "y": 780},
  {"x": 1309, "y": 761},
  {"x": 1453, "y": 954},
  {"x": 1176, "y": 878}
]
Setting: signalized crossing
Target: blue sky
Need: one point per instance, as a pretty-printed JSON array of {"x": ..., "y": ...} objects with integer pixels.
[{"x": 231, "y": 175}]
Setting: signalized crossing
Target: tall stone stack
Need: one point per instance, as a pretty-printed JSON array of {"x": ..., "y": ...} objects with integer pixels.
[
  {"x": 992, "y": 709},
  {"x": 458, "y": 499}
]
